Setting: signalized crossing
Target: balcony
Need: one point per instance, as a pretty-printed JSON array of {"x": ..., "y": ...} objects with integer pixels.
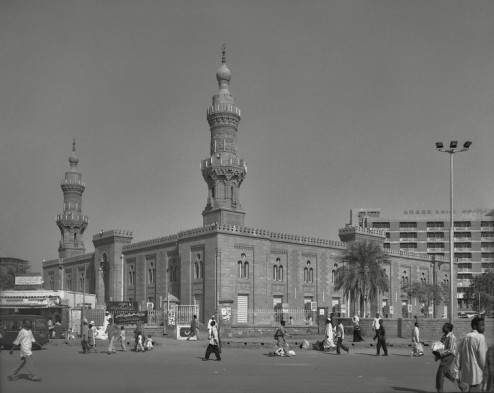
[
  {"x": 487, "y": 259},
  {"x": 487, "y": 228},
  {"x": 462, "y": 239},
  {"x": 483, "y": 237},
  {"x": 435, "y": 239},
  {"x": 486, "y": 270},
  {"x": 463, "y": 248},
  {"x": 487, "y": 249},
  {"x": 408, "y": 239},
  {"x": 464, "y": 260},
  {"x": 435, "y": 249}
]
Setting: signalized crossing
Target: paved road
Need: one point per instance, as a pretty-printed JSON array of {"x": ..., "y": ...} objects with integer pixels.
[{"x": 178, "y": 367}]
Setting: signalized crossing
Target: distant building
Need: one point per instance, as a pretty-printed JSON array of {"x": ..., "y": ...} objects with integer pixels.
[
  {"x": 427, "y": 232},
  {"x": 223, "y": 261}
]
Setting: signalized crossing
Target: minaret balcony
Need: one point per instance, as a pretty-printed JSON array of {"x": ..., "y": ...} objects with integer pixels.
[
  {"x": 224, "y": 108},
  {"x": 67, "y": 219},
  {"x": 215, "y": 161}
]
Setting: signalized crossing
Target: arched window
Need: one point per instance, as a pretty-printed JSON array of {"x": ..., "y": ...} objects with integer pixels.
[
  {"x": 201, "y": 269},
  {"x": 246, "y": 269},
  {"x": 151, "y": 273},
  {"x": 275, "y": 272},
  {"x": 280, "y": 272},
  {"x": 240, "y": 269},
  {"x": 311, "y": 275},
  {"x": 175, "y": 273},
  {"x": 196, "y": 270}
]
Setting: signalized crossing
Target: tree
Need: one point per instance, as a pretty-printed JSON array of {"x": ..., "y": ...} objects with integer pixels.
[
  {"x": 427, "y": 294},
  {"x": 361, "y": 274},
  {"x": 8, "y": 271},
  {"x": 483, "y": 286}
]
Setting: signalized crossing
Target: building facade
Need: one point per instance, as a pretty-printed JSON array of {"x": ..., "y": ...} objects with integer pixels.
[
  {"x": 426, "y": 232},
  {"x": 224, "y": 260}
]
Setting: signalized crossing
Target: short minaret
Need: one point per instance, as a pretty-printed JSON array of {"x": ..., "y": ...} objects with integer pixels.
[
  {"x": 223, "y": 171},
  {"x": 71, "y": 222}
]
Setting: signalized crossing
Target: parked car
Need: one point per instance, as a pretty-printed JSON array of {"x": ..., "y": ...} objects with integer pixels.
[{"x": 10, "y": 325}]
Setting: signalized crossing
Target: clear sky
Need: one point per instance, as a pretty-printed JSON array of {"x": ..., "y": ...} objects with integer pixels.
[{"x": 342, "y": 102}]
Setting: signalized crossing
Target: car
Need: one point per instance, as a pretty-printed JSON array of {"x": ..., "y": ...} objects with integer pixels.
[{"x": 10, "y": 325}]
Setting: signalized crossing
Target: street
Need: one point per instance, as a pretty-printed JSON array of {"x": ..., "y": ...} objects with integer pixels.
[{"x": 178, "y": 367}]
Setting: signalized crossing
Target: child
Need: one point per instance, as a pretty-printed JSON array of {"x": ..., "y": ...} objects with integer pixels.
[
  {"x": 149, "y": 343},
  {"x": 25, "y": 340},
  {"x": 121, "y": 338},
  {"x": 139, "y": 343}
]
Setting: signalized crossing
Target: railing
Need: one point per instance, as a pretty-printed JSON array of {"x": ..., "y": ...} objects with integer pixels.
[
  {"x": 156, "y": 317},
  {"x": 272, "y": 316}
]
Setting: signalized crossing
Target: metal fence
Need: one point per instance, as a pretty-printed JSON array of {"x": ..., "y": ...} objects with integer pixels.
[{"x": 272, "y": 316}]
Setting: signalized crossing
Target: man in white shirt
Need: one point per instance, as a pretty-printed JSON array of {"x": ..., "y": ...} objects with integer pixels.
[
  {"x": 25, "y": 340},
  {"x": 213, "y": 342},
  {"x": 470, "y": 360},
  {"x": 375, "y": 323}
]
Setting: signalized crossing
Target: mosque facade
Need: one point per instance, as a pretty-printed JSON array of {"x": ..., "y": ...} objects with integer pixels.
[{"x": 224, "y": 260}]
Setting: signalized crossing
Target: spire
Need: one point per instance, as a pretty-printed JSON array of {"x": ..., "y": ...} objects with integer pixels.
[
  {"x": 73, "y": 159},
  {"x": 224, "y": 76}
]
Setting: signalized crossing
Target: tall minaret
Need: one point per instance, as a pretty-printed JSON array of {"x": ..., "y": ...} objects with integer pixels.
[
  {"x": 223, "y": 171},
  {"x": 71, "y": 222}
]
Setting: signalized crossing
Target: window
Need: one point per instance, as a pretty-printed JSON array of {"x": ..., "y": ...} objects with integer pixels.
[
  {"x": 132, "y": 275},
  {"x": 381, "y": 225},
  {"x": 462, "y": 224},
  {"x": 278, "y": 270},
  {"x": 408, "y": 246},
  {"x": 435, "y": 235},
  {"x": 408, "y": 225},
  {"x": 435, "y": 225},
  {"x": 243, "y": 267},
  {"x": 487, "y": 225},
  {"x": 151, "y": 273},
  {"x": 333, "y": 272},
  {"x": 242, "y": 308},
  {"x": 423, "y": 278},
  {"x": 51, "y": 281},
  {"x": 81, "y": 281},
  {"x": 173, "y": 270},
  {"x": 308, "y": 273},
  {"x": 68, "y": 281},
  {"x": 198, "y": 267}
]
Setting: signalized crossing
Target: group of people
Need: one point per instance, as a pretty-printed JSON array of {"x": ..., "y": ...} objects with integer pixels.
[
  {"x": 213, "y": 336},
  {"x": 468, "y": 363},
  {"x": 333, "y": 336}
]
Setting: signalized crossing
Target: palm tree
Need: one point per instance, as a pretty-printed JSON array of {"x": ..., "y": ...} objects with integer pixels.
[{"x": 361, "y": 274}]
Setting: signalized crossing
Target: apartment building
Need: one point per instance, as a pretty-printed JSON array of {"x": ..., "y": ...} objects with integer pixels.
[{"x": 427, "y": 232}]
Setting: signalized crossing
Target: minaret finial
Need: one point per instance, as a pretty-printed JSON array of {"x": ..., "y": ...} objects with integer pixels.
[
  {"x": 73, "y": 145},
  {"x": 223, "y": 51}
]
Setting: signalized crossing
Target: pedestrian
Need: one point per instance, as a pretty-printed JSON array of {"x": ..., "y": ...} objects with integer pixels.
[
  {"x": 281, "y": 343},
  {"x": 121, "y": 339},
  {"x": 112, "y": 332},
  {"x": 328, "y": 342},
  {"x": 211, "y": 320},
  {"x": 470, "y": 360},
  {"x": 51, "y": 328},
  {"x": 291, "y": 321},
  {"x": 488, "y": 381},
  {"x": 375, "y": 323},
  {"x": 340, "y": 336},
  {"x": 193, "y": 328},
  {"x": 447, "y": 356},
  {"x": 357, "y": 334},
  {"x": 213, "y": 342},
  {"x": 25, "y": 340},
  {"x": 148, "y": 344},
  {"x": 91, "y": 335},
  {"x": 137, "y": 332},
  {"x": 85, "y": 336},
  {"x": 139, "y": 346},
  {"x": 381, "y": 338},
  {"x": 417, "y": 349}
]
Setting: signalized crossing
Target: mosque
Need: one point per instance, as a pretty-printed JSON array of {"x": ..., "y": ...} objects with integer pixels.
[{"x": 222, "y": 261}]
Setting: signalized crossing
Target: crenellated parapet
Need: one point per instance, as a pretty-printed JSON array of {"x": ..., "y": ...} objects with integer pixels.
[
  {"x": 113, "y": 233},
  {"x": 159, "y": 241}
]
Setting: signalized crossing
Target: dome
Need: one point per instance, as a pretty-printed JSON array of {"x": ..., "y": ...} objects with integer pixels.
[
  {"x": 223, "y": 73},
  {"x": 73, "y": 159}
]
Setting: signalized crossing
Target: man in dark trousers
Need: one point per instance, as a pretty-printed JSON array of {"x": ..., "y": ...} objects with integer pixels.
[
  {"x": 381, "y": 339},
  {"x": 213, "y": 342},
  {"x": 193, "y": 328},
  {"x": 340, "y": 335},
  {"x": 447, "y": 356}
]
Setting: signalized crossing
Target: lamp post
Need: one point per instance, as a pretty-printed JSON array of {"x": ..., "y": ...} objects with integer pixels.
[
  {"x": 83, "y": 295},
  {"x": 453, "y": 148}
]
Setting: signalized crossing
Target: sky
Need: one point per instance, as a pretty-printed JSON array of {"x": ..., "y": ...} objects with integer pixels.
[{"x": 342, "y": 103}]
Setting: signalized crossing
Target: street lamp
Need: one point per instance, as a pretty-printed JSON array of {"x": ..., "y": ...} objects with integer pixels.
[
  {"x": 453, "y": 148},
  {"x": 83, "y": 295}
]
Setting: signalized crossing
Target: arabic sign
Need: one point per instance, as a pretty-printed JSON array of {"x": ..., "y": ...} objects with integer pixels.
[
  {"x": 131, "y": 317},
  {"x": 28, "y": 280},
  {"x": 117, "y": 307}
]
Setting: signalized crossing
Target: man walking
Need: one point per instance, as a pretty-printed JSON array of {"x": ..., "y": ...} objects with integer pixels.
[
  {"x": 85, "y": 336},
  {"x": 213, "y": 342},
  {"x": 281, "y": 341},
  {"x": 340, "y": 335},
  {"x": 25, "y": 340},
  {"x": 470, "y": 360},
  {"x": 447, "y": 356},
  {"x": 381, "y": 339},
  {"x": 112, "y": 332},
  {"x": 193, "y": 328},
  {"x": 375, "y": 323}
]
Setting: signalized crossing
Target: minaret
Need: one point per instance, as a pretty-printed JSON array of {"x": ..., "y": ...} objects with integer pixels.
[
  {"x": 71, "y": 222},
  {"x": 223, "y": 171}
]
